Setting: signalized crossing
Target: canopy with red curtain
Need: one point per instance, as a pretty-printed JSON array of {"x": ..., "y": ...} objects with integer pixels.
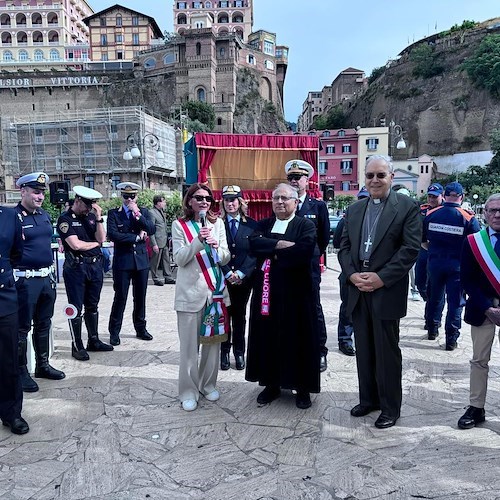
[{"x": 256, "y": 163}]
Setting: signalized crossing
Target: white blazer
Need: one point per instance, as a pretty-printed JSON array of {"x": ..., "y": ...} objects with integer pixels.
[{"x": 191, "y": 289}]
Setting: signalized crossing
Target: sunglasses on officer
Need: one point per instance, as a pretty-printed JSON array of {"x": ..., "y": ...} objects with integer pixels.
[
  {"x": 128, "y": 196},
  {"x": 295, "y": 177},
  {"x": 87, "y": 202},
  {"x": 380, "y": 175}
]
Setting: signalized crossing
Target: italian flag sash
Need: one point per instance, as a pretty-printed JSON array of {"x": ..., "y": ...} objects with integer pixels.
[
  {"x": 486, "y": 257},
  {"x": 215, "y": 323}
]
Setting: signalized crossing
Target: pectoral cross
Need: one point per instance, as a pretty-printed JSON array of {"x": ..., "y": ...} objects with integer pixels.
[{"x": 368, "y": 243}]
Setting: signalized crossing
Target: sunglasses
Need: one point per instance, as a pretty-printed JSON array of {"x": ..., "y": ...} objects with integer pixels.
[
  {"x": 128, "y": 196},
  {"x": 380, "y": 175},
  {"x": 200, "y": 198},
  {"x": 229, "y": 199},
  {"x": 294, "y": 177}
]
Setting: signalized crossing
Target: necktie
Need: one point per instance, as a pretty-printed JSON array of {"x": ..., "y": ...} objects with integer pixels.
[
  {"x": 497, "y": 244},
  {"x": 232, "y": 228}
]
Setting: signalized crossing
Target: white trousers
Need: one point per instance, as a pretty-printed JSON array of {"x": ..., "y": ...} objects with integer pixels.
[
  {"x": 195, "y": 375},
  {"x": 482, "y": 340}
]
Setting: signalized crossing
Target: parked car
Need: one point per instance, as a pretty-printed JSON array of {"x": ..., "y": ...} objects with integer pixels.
[{"x": 334, "y": 222}]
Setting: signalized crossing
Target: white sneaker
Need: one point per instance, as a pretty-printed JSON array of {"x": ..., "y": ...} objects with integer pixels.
[
  {"x": 189, "y": 405},
  {"x": 213, "y": 396}
]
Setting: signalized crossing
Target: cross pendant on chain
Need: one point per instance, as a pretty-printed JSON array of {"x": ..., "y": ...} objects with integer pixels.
[{"x": 368, "y": 243}]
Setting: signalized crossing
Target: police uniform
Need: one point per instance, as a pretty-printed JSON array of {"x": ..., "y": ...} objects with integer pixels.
[
  {"x": 445, "y": 229},
  {"x": 243, "y": 264},
  {"x": 36, "y": 284},
  {"x": 317, "y": 212},
  {"x": 83, "y": 272},
  {"x": 11, "y": 392},
  {"x": 130, "y": 263}
]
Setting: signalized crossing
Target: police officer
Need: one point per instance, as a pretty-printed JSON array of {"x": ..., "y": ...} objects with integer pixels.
[
  {"x": 298, "y": 173},
  {"x": 11, "y": 391},
  {"x": 445, "y": 229},
  {"x": 82, "y": 233},
  {"x": 35, "y": 280},
  {"x": 128, "y": 227}
]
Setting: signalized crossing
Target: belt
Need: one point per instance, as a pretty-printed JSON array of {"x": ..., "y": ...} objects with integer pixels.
[
  {"x": 43, "y": 272},
  {"x": 365, "y": 263},
  {"x": 87, "y": 260}
]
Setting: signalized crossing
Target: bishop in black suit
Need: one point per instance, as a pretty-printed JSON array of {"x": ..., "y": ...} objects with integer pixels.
[{"x": 380, "y": 244}]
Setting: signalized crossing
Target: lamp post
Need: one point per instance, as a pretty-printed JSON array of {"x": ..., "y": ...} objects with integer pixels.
[
  {"x": 134, "y": 145},
  {"x": 475, "y": 196},
  {"x": 396, "y": 134}
]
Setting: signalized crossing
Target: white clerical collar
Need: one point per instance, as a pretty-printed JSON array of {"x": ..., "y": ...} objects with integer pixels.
[{"x": 281, "y": 225}]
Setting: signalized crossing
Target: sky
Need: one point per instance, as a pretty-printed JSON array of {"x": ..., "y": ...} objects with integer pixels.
[{"x": 326, "y": 36}]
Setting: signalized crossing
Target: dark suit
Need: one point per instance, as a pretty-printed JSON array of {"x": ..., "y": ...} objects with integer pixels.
[
  {"x": 317, "y": 212},
  {"x": 376, "y": 315},
  {"x": 11, "y": 249},
  {"x": 130, "y": 262},
  {"x": 241, "y": 260}
]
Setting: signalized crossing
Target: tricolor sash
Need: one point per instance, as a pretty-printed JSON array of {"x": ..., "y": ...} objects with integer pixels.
[
  {"x": 215, "y": 325},
  {"x": 486, "y": 257}
]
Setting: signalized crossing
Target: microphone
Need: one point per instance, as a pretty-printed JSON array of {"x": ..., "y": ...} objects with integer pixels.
[{"x": 203, "y": 214}]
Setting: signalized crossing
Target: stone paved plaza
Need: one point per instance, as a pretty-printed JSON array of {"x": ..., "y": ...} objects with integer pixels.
[{"x": 114, "y": 429}]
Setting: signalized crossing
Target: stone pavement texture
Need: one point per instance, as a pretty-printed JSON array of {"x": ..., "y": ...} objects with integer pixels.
[{"x": 114, "y": 429}]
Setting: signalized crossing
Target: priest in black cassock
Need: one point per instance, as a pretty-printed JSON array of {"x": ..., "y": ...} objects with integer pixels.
[{"x": 283, "y": 343}]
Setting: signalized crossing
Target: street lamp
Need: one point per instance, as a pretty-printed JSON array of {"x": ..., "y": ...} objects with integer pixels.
[
  {"x": 396, "y": 134},
  {"x": 133, "y": 151},
  {"x": 475, "y": 196}
]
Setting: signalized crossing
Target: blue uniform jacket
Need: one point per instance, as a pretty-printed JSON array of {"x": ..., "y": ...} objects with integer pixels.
[
  {"x": 480, "y": 292},
  {"x": 129, "y": 254},
  {"x": 11, "y": 249},
  {"x": 316, "y": 211}
]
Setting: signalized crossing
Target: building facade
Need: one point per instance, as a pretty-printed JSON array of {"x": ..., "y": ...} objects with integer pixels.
[
  {"x": 43, "y": 34},
  {"x": 120, "y": 34},
  {"x": 311, "y": 108},
  {"x": 371, "y": 141},
  {"x": 225, "y": 16}
]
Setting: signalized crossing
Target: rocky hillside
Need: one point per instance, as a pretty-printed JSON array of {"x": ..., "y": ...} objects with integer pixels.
[{"x": 442, "y": 112}]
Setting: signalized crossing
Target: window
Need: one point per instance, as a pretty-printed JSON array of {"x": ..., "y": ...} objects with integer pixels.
[
  {"x": 269, "y": 64},
  {"x": 238, "y": 3},
  {"x": 346, "y": 185},
  {"x": 323, "y": 167},
  {"x": 63, "y": 135},
  {"x": 23, "y": 55},
  {"x": 224, "y": 5},
  {"x": 198, "y": 49},
  {"x": 219, "y": 121},
  {"x": 38, "y": 56},
  {"x": 222, "y": 52},
  {"x": 113, "y": 131},
  {"x": 115, "y": 180},
  {"x": 119, "y": 55},
  {"x": 200, "y": 95},
  {"x": 372, "y": 144},
  {"x": 208, "y": 5},
  {"x": 135, "y": 21},
  {"x": 54, "y": 55},
  {"x": 346, "y": 166},
  {"x": 87, "y": 135},
  {"x": 197, "y": 5},
  {"x": 181, "y": 5},
  {"x": 326, "y": 133},
  {"x": 421, "y": 169},
  {"x": 268, "y": 47},
  {"x": 135, "y": 38},
  {"x": 341, "y": 133},
  {"x": 104, "y": 56},
  {"x": 119, "y": 21},
  {"x": 251, "y": 59},
  {"x": 104, "y": 40},
  {"x": 169, "y": 58},
  {"x": 119, "y": 38},
  {"x": 89, "y": 181},
  {"x": 346, "y": 148},
  {"x": 330, "y": 149},
  {"x": 149, "y": 63},
  {"x": 427, "y": 169},
  {"x": 103, "y": 22}
]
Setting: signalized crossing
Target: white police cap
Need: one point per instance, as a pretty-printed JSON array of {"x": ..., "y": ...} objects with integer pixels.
[
  {"x": 87, "y": 194},
  {"x": 35, "y": 180},
  {"x": 128, "y": 187},
  {"x": 300, "y": 167}
]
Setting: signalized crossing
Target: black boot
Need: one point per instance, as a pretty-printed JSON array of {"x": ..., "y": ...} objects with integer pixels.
[
  {"x": 77, "y": 349},
  {"x": 29, "y": 385},
  {"x": 43, "y": 368},
  {"x": 94, "y": 343}
]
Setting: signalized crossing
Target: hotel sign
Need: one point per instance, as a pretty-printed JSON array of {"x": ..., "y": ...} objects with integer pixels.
[{"x": 55, "y": 81}]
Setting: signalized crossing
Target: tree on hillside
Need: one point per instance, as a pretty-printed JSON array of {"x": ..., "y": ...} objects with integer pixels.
[
  {"x": 335, "y": 118},
  {"x": 201, "y": 112},
  {"x": 426, "y": 61}
]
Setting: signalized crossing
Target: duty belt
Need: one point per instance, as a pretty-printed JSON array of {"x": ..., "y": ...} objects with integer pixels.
[{"x": 43, "y": 272}]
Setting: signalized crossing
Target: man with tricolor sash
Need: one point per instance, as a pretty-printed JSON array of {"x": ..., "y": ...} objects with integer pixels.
[{"x": 480, "y": 277}]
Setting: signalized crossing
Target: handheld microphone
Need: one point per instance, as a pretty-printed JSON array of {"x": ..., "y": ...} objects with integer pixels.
[{"x": 203, "y": 214}]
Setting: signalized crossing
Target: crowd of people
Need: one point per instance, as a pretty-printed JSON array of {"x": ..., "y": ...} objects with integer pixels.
[{"x": 225, "y": 259}]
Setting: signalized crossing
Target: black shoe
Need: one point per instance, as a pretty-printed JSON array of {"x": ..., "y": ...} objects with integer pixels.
[
  {"x": 169, "y": 281},
  {"x": 303, "y": 400},
  {"x": 79, "y": 354},
  {"x": 97, "y": 345},
  {"x": 49, "y": 372},
  {"x": 28, "y": 384},
  {"x": 432, "y": 334},
  {"x": 158, "y": 283},
  {"x": 347, "y": 349},
  {"x": 322, "y": 363},
  {"x": 17, "y": 425},
  {"x": 471, "y": 418},
  {"x": 269, "y": 394},
  {"x": 385, "y": 421},
  {"x": 224, "y": 361},
  {"x": 145, "y": 335},
  {"x": 114, "y": 340},
  {"x": 240, "y": 361},
  {"x": 361, "y": 410},
  {"x": 451, "y": 346}
]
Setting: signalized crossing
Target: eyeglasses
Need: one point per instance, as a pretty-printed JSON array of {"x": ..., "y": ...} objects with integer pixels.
[
  {"x": 199, "y": 198},
  {"x": 283, "y": 198},
  {"x": 229, "y": 200},
  {"x": 294, "y": 177},
  {"x": 380, "y": 175},
  {"x": 128, "y": 196},
  {"x": 492, "y": 211}
]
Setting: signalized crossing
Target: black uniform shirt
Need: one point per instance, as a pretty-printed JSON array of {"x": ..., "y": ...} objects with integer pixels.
[
  {"x": 83, "y": 226},
  {"x": 37, "y": 231}
]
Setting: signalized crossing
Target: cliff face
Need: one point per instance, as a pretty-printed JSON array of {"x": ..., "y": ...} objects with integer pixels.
[{"x": 441, "y": 115}]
